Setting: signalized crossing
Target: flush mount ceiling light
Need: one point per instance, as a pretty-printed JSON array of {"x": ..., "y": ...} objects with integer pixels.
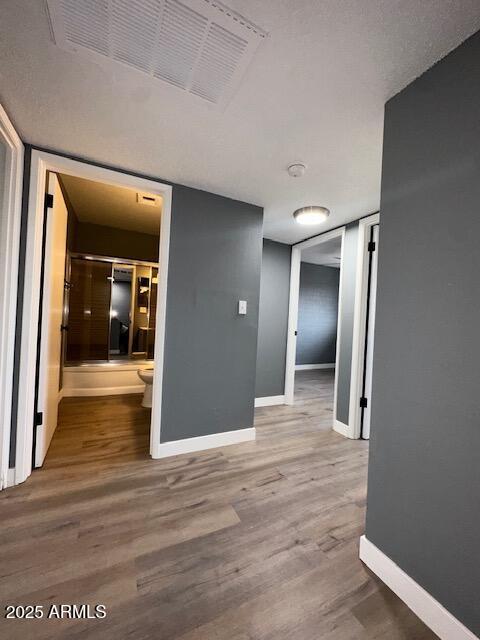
[
  {"x": 297, "y": 169},
  {"x": 311, "y": 215}
]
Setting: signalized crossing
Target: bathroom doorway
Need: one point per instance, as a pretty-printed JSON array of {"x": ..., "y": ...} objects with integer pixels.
[{"x": 99, "y": 244}]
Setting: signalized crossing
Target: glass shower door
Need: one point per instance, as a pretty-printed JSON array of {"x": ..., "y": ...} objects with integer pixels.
[
  {"x": 121, "y": 312},
  {"x": 89, "y": 310}
]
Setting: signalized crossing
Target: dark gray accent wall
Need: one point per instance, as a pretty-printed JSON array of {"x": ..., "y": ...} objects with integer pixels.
[
  {"x": 345, "y": 344},
  {"x": 101, "y": 240},
  {"x": 424, "y": 472},
  {"x": 317, "y": 314},
  {"x": 273, "y": 319},
  {"x": 211, "y": 351}
]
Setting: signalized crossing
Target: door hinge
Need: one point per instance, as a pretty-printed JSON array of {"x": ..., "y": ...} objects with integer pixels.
[
  {"x": 296, "y": 333},
  {"x": 371, "y": 246},
  {"x": 38, "y": 418},
  {"x": 363, "y": 403},
  {"x": 48, "y": 200}
]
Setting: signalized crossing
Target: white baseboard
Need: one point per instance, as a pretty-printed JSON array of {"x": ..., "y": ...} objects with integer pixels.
[
  {"x": 103, "y": 391},
  {"x": 305, "y": 367},
  {"x": 11, "y": 478},
  {"x": 189, "y": 445},
  {"x": 8, "y": 480},
  {"x": 342, "y": 428},
  {"x": 269, "y": 401},
  {"x": 429, "y": 610}
]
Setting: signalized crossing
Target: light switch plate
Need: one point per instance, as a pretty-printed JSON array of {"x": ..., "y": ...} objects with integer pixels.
[{"x": 242, "y": 307}]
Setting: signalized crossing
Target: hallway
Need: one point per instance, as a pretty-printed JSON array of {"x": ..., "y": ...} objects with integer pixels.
[{"x": 257, "y": 541}]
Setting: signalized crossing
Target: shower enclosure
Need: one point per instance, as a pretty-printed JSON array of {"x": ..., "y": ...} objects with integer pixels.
[{"x": 109, "y": 310}]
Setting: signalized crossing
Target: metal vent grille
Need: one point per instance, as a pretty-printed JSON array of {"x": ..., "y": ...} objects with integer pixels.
[
  {"x": 199, "y": 46},
  {"x": 182, "y": 32},
  {"x": 220, "y": 56}
]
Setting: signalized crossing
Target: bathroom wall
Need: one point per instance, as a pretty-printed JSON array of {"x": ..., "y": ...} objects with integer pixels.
[
  {"x": 119, "y": 243},
  {"x": 102, "y": 240}
]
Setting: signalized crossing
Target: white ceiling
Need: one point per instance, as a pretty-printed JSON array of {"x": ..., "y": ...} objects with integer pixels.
[
  {"x": 314, "y": 92},
  {"x": 110, "y": 206},
  {"x": 327, "y": 253}
]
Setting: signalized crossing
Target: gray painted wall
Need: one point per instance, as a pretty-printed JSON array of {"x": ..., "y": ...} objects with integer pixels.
[
  {"x": 273, "y": 319},
  {"x": 211, "y": 351},
  {"x": 424, "y": 473},
  {"x": 347, "y": 297},
  {"x": 317, "y": 314}
]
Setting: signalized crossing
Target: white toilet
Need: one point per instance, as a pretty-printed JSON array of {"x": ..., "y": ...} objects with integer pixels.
[{"x": 146, "y": 375}]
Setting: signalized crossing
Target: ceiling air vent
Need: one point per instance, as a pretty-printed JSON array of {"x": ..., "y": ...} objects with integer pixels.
[{"x": 199, "y": 46}]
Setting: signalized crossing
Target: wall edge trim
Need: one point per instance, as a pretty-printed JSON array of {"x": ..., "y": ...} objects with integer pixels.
[
  {"x": 306, "y": 367},
  {"x": 343, "y": 429},
  {"x": 269, "y": 401},
  {"x": 429, "y": 610},
  {"x": 200, "y": 443}
]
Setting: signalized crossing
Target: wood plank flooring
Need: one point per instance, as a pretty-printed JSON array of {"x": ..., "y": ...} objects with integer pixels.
[{"x": 257, "y": 541}]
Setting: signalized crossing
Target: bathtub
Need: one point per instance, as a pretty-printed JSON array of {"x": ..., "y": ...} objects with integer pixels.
[{"x": 103, "y": 379}]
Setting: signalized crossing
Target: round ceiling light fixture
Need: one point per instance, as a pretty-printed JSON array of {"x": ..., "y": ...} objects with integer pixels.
[
  {"x": 297, "y": 169},
  {"x": 311, "y": 215}
]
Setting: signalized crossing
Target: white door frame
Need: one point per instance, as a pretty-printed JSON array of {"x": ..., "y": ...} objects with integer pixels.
[
  {"x": 360, "y": 322},
  {"x": 11, "y": 209},
  {"x": 293, "y": 311},
  {"x": 370, "y": 334},
  {"x": 41, "y": 162}
]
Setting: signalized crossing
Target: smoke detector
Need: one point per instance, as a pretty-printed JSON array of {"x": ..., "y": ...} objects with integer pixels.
[{"x": 297, "y": 169}]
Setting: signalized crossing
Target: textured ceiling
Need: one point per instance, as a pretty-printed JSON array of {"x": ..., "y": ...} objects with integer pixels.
[
  {"x": 327, "y": 253},
  {"x": 110, "y": 206},
  {"x": 314, "y": 92}
]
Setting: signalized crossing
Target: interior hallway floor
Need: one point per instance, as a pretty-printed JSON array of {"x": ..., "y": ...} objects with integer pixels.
[{"x": 257, "y": 541}]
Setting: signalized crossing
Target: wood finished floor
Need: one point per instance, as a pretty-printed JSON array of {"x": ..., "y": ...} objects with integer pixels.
[{"x": 257, "y": 541}]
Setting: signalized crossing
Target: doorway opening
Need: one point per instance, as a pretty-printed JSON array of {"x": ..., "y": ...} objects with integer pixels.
[
  {"x": 11, "y": 174},
  {"x": 353, "y": 248},
  {"x": 94, "y": 308},
  {"x": 314, "y": 312},
  {"x": 99, "y": 293},
  {"x": 317, "y": 323}
]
